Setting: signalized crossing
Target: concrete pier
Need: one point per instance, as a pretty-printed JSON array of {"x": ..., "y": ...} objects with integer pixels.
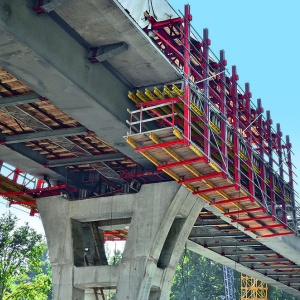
[{"x": 160, "y": 218}]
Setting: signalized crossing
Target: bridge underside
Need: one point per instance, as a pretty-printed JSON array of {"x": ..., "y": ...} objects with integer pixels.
[
  {"x": 65, "y": 77},
  {"x": 156, "y": 223}
]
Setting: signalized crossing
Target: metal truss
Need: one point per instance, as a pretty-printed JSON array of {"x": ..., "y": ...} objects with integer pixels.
[
  {"x": 228, "y": 283},
  {"x": 253, "y": 289}
]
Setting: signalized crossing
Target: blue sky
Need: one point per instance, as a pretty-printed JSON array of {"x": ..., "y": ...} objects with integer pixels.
[{"x": 261, "y": 39}]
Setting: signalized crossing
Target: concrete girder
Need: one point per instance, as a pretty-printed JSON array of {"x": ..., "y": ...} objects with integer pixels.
[
  {"x": 21, "y": 99},
  {"x": 265, "y": 259},
  {"x": 106, "y": 22},
  {"x": 154, "y": 244},
  {"x": 85, "y": 160},
  {"x": 34, "y": 163},
  {"x": 256, "y": 252},
  {"x": 42, "y": 135},
  {"x": 106, "y": 52},
  {"x": 56, "y": 66},
  {"x": 281, "y": 273},
  {"x": 236, "y": 236},
  {"x": 217, "y": 244},
  {"x": 273, "y": 267}
]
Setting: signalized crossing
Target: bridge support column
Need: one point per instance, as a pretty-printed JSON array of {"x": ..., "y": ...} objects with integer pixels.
[{"x": 160, "y": 218}]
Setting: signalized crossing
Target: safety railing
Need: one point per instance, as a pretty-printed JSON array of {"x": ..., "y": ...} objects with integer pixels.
[{"x": 217, "y": 115}]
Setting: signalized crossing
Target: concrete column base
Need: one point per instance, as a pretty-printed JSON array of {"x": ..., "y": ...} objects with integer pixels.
[{"x": 161, "y": 217}]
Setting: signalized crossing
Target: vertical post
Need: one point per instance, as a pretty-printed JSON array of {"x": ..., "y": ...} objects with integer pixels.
[
  {"x": 223, "y": 111},
  {"x": 280, "y": 161},
  {"x": 141, "y": 117},
  {"x": 290, "y": 166},
  {"x": 235, "y": 116},
  {"x": 249, "y": 150},
  {"x": 40, "y": 184},
  {"x": 187, "y": 75},
  {"x": 261, "y": 145},
  {"x": 206, "y": 43},
  {"x": 16, "y": 175},
  {"x": 270, "y": 154}
]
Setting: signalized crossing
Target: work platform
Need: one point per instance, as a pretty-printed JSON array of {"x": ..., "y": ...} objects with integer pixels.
[
  {"x": 189, "y": 167},
  {"x": 190, "y": 122}
]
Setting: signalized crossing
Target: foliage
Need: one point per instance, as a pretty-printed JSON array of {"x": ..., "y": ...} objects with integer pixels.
[
  {"x": 114, "y": 260},
  {"x": 36, "y": 289},
  {"x": 197, "y": 278},
  {"x": 21, "y": 249},
  {"x": 277, "y": 294}
]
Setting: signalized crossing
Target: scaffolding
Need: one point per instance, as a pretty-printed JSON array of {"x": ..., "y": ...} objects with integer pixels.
[
  {"x": 253, "y": 289},
  {"x": 228, "y": 283},
  {"x": 205, "y": 132},
  {"x": 21, "y": 188}
]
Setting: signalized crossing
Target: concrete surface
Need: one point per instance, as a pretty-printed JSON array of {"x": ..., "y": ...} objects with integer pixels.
[{"x": 162, "y": 216}]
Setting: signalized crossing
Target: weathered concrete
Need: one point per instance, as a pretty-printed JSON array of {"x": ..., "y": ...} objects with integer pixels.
[
  {"x": 162, "y": 216},
  {"x": 52, "y": 59}
]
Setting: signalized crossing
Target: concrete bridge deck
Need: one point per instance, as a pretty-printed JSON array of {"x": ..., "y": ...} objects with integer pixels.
[{"x": 47, "y": 58}]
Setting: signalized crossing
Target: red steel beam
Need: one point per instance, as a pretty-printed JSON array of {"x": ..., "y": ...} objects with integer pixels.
[
  {"x": 175, "y": 51},
  {"x": 203, "y": 177},
  {"x": 166, "y": 23},
  {"x": 280, "y": 161},
  {"x": 236, "y": 142},
  {"x": 249, "y": 137},
  {"x": 246, "y": 198},
  {"x": 206, "y": 108},
  {"x": 181, "y": 163},
  {"x": 14, "y": 193},
  {"x": 251, "y": 219},
  {"x": 187, "y": 75},
  {"x": 270, "y": 154},
  {"x": 265, "y": 227},
  {"x": 36, "y": 191},
  {"x": 224, "y": 147},
  {"x": 215, "y": 189},
  {"x": 290, "y": 171},
  {"x": 236, "y": 212},
  {"x": 161, "y": 145},
  {"x": 274, "y": 234},
  {"x": 260, "y": 130}
]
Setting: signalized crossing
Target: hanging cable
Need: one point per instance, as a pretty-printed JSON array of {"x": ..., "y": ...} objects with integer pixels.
[{"x": 150, "y": 4}]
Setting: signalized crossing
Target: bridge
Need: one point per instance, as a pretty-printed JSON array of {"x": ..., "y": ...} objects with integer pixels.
[{"x": 139, "y": 134}]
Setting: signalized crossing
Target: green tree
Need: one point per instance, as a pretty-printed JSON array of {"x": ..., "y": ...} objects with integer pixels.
[
  {"x": 197, "y": 278},
  {"x": 21, "y": 249},
  {"x": 277, "y": 294}
]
